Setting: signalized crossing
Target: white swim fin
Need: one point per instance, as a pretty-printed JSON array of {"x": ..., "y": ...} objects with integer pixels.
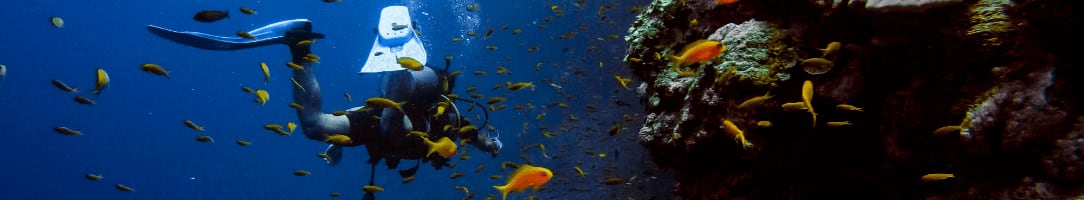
[{"x": 395, "y": 38}]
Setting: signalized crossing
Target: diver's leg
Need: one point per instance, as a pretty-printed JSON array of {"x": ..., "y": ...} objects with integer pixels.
[
  {"x": 314, "y": 122},
  {"x": 372, "y": 180}
]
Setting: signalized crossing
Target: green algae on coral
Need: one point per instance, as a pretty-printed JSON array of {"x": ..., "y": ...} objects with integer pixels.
[{"x": 758, "y": 51}]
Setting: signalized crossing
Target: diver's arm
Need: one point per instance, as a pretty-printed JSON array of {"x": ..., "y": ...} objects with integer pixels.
[{"x": 316, "y": 124}]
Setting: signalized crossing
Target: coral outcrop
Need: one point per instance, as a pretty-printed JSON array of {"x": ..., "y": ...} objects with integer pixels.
[{"x": 997, "y": 70}]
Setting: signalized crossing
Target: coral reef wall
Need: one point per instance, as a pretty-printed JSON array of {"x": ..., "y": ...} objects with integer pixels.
[{"x": 863, "y": 99}]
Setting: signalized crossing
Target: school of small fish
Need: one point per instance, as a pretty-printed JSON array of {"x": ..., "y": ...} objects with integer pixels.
[{"x": 508, "y": 93}]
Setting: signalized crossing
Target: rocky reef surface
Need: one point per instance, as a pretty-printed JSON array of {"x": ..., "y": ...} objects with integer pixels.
[{"x": 983, "y": 90}]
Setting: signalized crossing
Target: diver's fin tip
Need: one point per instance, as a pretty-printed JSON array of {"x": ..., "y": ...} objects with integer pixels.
[
  {"x": 275, "y": 33},
  {"x": 394, "y": 40},
  {"x": 334, "y": 154}
]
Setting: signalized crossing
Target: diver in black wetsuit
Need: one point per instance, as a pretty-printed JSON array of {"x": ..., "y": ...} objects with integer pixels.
[{"x": 382, "y": 131}]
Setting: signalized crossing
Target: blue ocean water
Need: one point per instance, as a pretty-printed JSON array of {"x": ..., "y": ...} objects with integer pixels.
[{"x": 134, "y": 134}]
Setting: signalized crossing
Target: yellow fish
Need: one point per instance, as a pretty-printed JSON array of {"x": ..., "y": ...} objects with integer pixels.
[
  {"x": 57, "y": 21},
  {"x": 266, "y": 73},
  {"x": 305, "y": 43},
  {"x": 124, "y": 188},
  {"x": 839, "y": 124},
  {"x": 441, "y": 106},
  {"x": 291, "y": 126},
  {"x": 313, "y": 58},
  {"x": 479, "y": 168},
  {"x": 754, "y": 101},
  {"x": 764, "y": 124},
  {"x": 467, "y": 129},
  {"x": 519, "y": 85},
  {"x": 64, "y": 87},
  {"x": 418, "y": 134},
  {"x": 93, "y": 177},
  {"x": 410, "y": 63},
  {"x": 831, "y": 48},
  {"x": 613, "y": 181},
  {"x": 154, "y": 69},
  {"x": 524, "y": 177},
  {"x": 739, "y": 135},
  {"x": 204, "y": 138},
  {"x": 793, "y": 106},
  {"x": 623, "y": 81},
  {"x": 272, "y": 126},
  {"x": 66, "y": 131},
  {"x": 848, "y": 107},
  {"x": 501, "y": 70},
  {"x": 807, "y": 99},
  {"x": 301, "y": 172},
  {"x": 817, "y": 65},
  {"x": 103, "y": 80},
  {"x": 293, "y": 65},
  {"x": 936, "y": 177},
  {"x": 462, "y": 188},
  {"x": 508, "y": 164},
  {"x": 262, "y": 96},
  {"x": 945, "y": 130},
  {"x": 444, "y": 146},
  {"x": 371, "y": 188},
  {"x": 83, "y": 100},
  {"x": 193, "y": 125},
  {"x": 296, "y": 84},
  {"x": 494, "y": 100},
  {"x": 698, "y": 51},
  {"x": 456, "y": 175},
  {"x": 383, "y": 103},
  {"x": 339, "y": 139},
  {"x": 247, "y": 10},
  {"x": 245, "y": 35},
  {"x": 579, "y": 171}
]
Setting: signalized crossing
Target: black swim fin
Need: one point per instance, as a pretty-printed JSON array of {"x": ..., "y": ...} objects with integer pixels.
[
  {"x": 409, "y": 172},
  {"x": 369, "y": 196},
  {"x": 284, "y": 32}
]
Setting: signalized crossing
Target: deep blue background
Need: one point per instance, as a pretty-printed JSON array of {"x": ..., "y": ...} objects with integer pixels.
[{"x": 134, "y": 135}]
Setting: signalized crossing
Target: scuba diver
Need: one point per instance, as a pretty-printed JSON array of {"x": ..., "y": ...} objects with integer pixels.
[{"x": 383, "y": 131}]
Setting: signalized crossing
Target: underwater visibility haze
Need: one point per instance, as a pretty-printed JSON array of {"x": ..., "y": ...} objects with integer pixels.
[{"x": 553, "y": 99}]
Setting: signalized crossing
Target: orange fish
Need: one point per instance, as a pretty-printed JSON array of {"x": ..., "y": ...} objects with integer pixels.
[
  {"x": 698, "y": 51},
  {"x": 725, "y": 2},
  {"x": 524, "y": 177}
]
